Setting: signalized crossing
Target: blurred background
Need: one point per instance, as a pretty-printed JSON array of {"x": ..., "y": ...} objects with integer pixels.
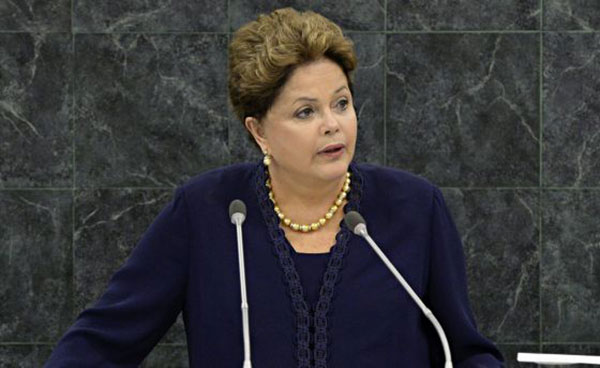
[{"x": 105, "y": 107}]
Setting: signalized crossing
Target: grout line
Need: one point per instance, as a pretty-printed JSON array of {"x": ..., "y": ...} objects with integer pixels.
[
  {"x": 571, "y": 31},
  {"x": 34, "y": 31},
  {"x": 452, "y": 31},
  {"x": 541, "y": 173},
  {"x": 85, "y": 188},
  {"x": 146, "y": 32},
  {"x": 541, "y": 98},
  {"x": 568, "y": 188},
  {"x": 540, "y": 218},
  {"x": 228, "y": 105},
  {"x": 471, "y": 31},
  {"x": 385, "y": 61},
  {"x": 228, "y": 29},
  {"x": 542, "y": 189},
  {"x": 72, "y": 17},
  {"x": 228, "y": 108},
  {"x": 487, "y": 188},
  {"x": 27, "y": 343},
  {"x": 119, "y": 32},
  {"x": 58, "y": 189},
  {"x": 572, "y": 343},
  {"x": 231, "y": 117},
  {"x": 73, "y": 163}
]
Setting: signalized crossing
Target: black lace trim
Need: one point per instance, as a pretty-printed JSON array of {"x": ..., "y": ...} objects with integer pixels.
[{"x": 330, "y": 277}]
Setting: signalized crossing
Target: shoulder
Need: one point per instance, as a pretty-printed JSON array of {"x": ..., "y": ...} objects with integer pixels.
[
  {"x": 220, "y": 183},
  {"x": 390, "y": 175},
  {"x": 220, "y": 175},
  {"x": 396, "y": 183}
]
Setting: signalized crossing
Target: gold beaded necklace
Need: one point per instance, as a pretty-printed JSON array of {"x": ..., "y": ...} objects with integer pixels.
[{"x": 317, "y": 224}]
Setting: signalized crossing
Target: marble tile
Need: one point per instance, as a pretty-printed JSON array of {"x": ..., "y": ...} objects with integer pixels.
[
  {"x": 500, "y": 235},
  {"x": 36, "y": 16},
  {"x": 35, "y": 104},
  {"x": 151, "y": 110},
  {"x": 463, "y": 15},
  {"x": 149, "y": 16},
  {"x": 509, "y": 351},
  {"x": 571, "y": 155},
  {"x": 35, "y": 264},
  {"x": 24, "y": 356},
  {"x": 368, "y": 90},
  {"x": 242, "y": 146},
  {"x": 462, "y": 109},
  {"x": 108, "y": 224},
  {"x": 570, "y": 272},
  {"x": 167, "y": 356},
  {"x": 360, "y": 15},
  {"x": 572, "y": 15}
]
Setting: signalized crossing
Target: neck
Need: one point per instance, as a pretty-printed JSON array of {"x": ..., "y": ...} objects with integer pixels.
[{"x": 303, "y": 199}]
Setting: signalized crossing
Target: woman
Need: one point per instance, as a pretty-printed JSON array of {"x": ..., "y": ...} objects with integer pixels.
[{"x": 318, "y": 295}]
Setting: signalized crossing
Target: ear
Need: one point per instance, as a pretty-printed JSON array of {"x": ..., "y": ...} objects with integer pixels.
[{"x": 256, "y": 128}]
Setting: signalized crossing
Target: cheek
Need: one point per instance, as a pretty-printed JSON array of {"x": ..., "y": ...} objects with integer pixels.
[
  {"x": 351, "y": 128},
  {"x": 296, "y": 142}
]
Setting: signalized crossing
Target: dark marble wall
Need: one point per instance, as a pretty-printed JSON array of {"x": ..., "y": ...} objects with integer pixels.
[{"x": 106, "y": 106}]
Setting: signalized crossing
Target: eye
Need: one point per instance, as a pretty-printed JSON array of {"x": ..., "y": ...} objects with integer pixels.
[
  {"x": 304, "y": 113},
  {"x": 343, "y": 103}
]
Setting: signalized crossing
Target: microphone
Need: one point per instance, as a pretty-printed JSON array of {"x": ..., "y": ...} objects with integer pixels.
[
  {"x": 237, "y": 214},
  {"x": 358, "y": 225},
  {"x": 237, "y": 211}
]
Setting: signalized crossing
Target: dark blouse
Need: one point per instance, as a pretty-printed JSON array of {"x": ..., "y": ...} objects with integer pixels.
[
  {"x": 339, "y": 309},
  {"x": 310, "y": 269}
]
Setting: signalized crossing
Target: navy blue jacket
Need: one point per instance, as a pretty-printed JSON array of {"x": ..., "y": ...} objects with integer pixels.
[{"x": 186, "y": 262}]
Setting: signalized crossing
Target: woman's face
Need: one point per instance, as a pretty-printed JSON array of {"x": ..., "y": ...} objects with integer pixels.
[{"x": 310, "y": 130}]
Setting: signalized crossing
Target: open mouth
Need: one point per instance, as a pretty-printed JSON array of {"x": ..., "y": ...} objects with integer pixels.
[{"x": 333, "y": 149}]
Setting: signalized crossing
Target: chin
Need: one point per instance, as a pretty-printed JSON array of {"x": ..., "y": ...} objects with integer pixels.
[{"x": 334, "y": 170}]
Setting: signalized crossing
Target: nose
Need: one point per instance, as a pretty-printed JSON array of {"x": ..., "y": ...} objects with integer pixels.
[{"x": 330, "y": 125}]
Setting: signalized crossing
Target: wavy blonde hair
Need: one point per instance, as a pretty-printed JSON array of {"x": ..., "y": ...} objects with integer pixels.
[{"x": 263, "y": 53}]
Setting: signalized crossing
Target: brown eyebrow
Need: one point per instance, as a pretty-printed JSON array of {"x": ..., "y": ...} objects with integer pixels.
[{"x": 314, "y": 99}]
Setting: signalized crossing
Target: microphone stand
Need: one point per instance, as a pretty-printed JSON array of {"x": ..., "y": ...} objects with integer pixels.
[
  {"x": 237, "y": 219},
  {"x": 361, "y": 229}
]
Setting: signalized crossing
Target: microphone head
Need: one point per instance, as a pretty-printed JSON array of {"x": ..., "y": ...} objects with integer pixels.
[
  {"x": 237, "y": 206},
  {"x": 353, "y": 219}
]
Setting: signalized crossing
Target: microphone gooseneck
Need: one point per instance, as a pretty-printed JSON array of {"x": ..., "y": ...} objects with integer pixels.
[
  {"x": 357, "y": 224},
  {"x": 237, "y": 214}
]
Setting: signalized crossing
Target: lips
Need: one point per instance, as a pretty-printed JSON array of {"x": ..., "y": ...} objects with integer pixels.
[{"x": 330, "y": 148}]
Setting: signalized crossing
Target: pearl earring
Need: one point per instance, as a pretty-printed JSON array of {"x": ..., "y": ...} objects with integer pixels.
[{"x": 267, "y": 159}]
